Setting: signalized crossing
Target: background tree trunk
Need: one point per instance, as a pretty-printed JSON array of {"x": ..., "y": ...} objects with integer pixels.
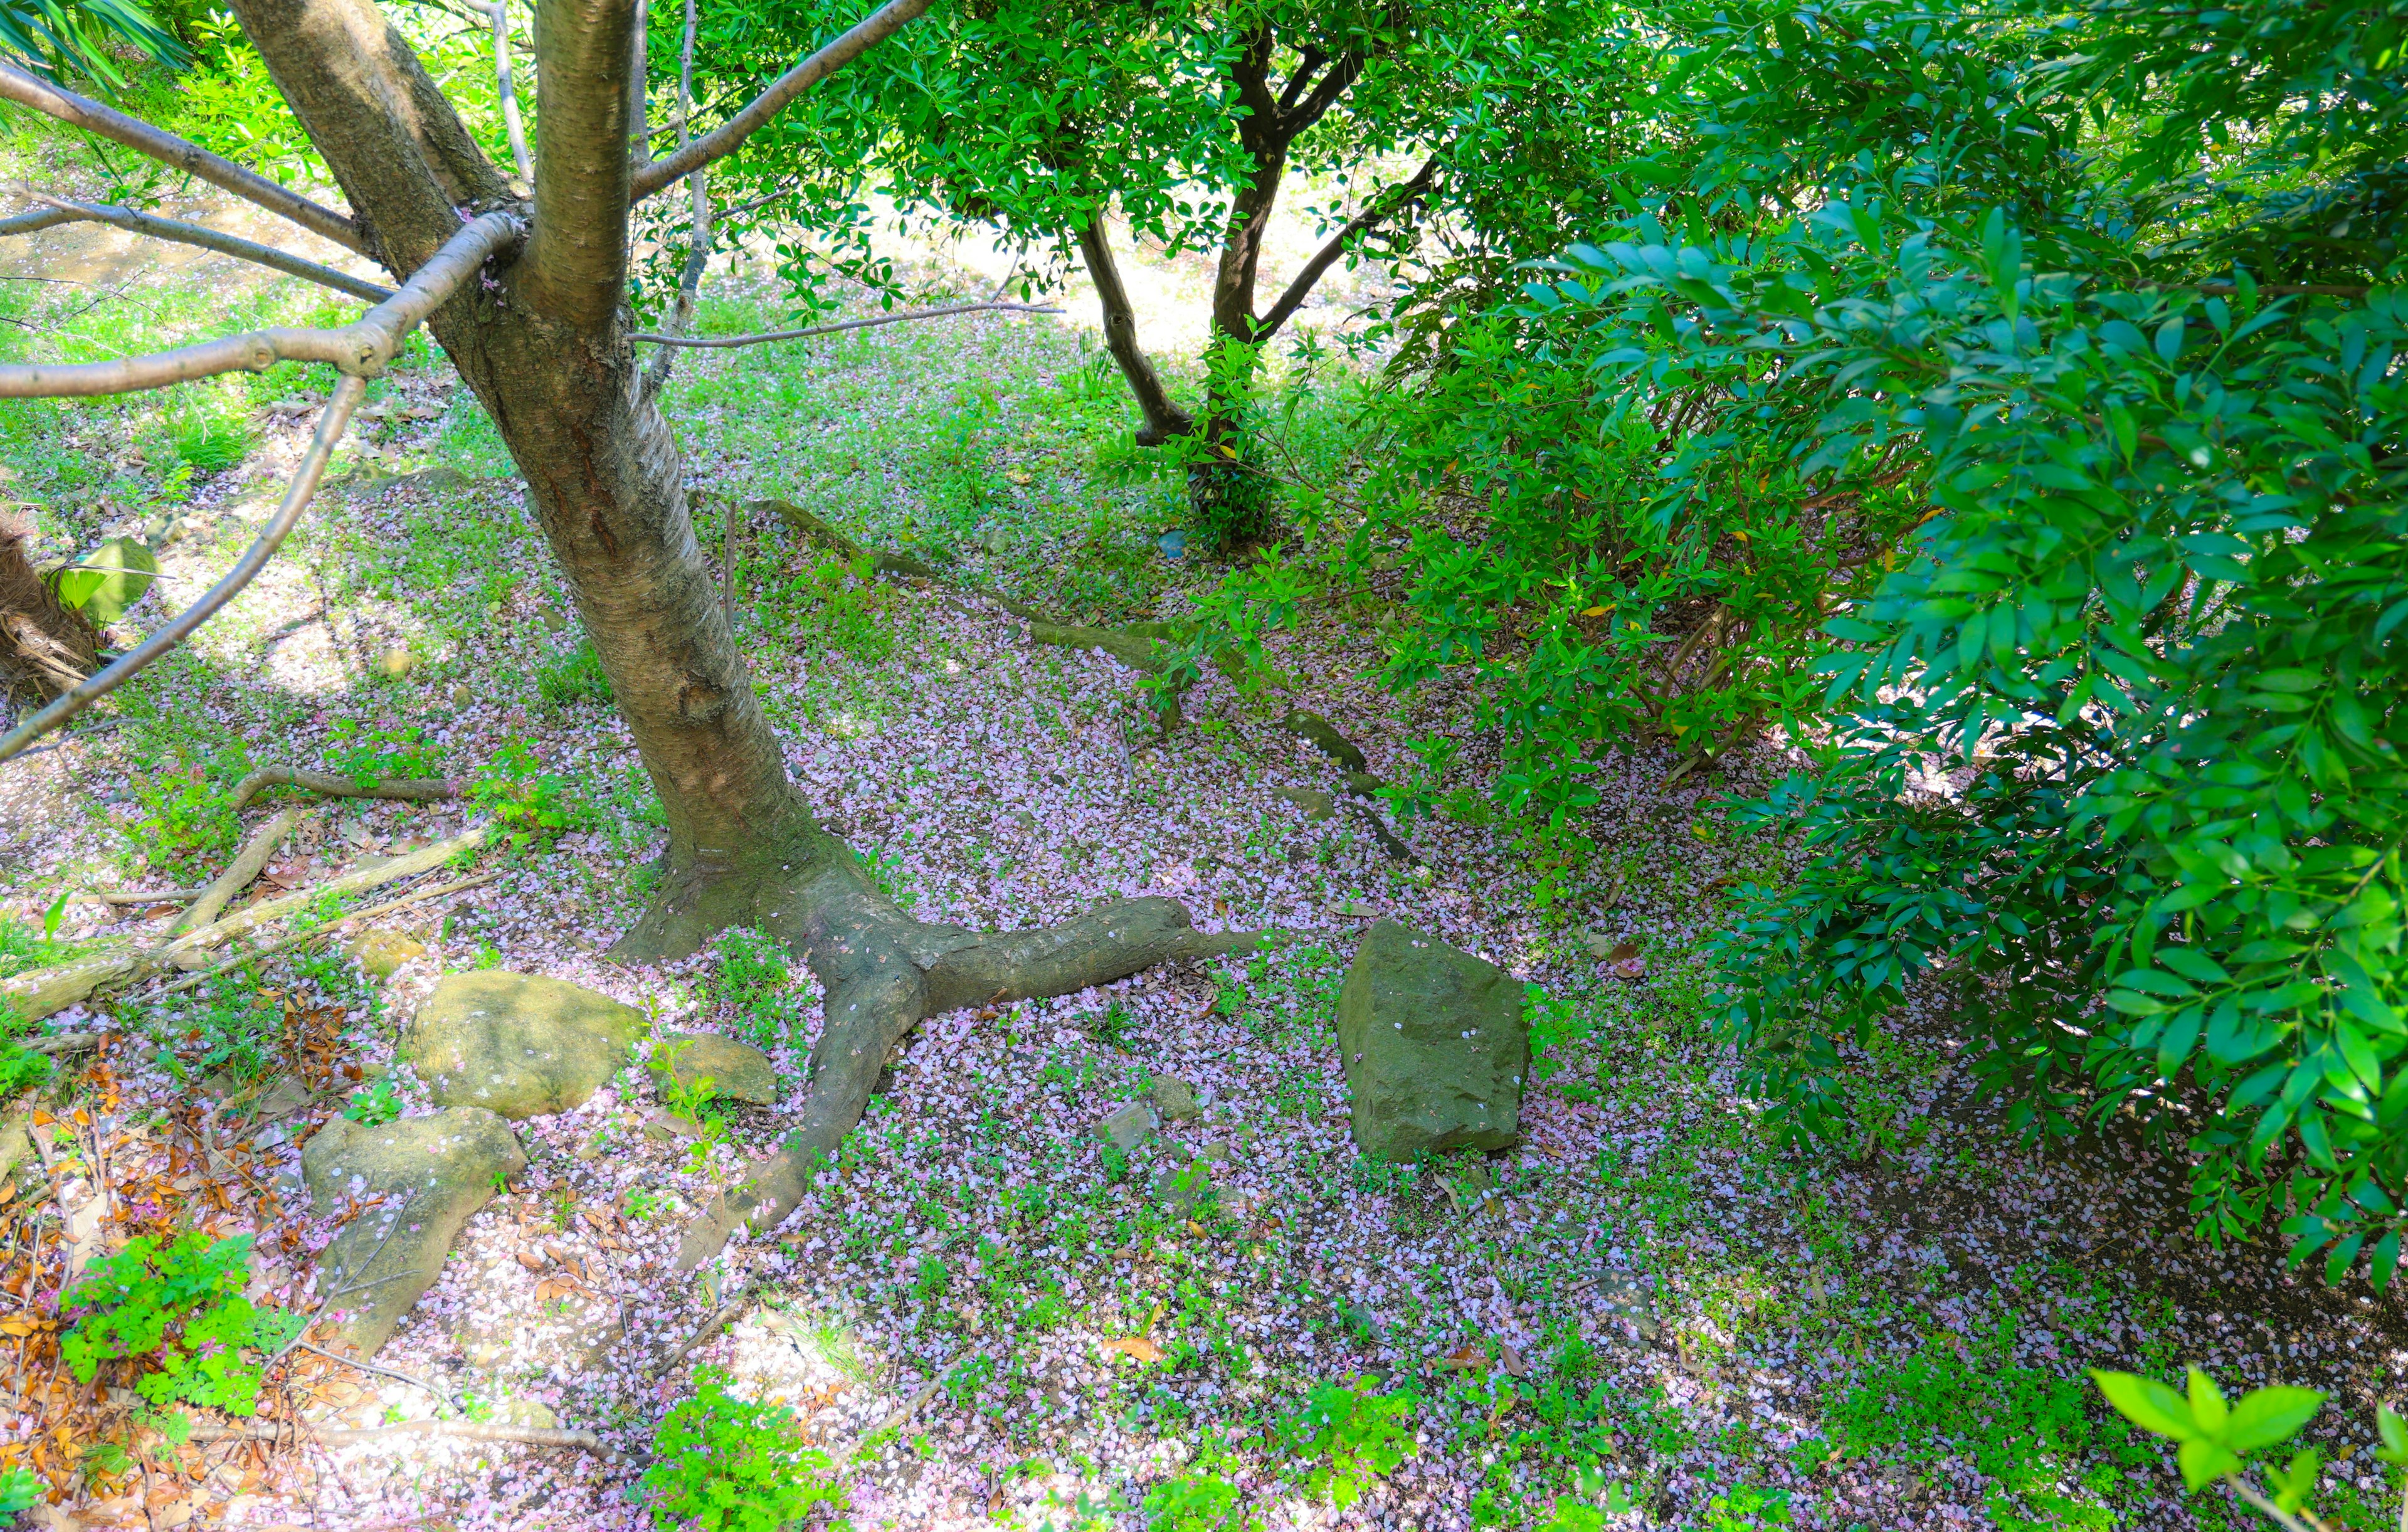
[{"x": 44, "y": 648}]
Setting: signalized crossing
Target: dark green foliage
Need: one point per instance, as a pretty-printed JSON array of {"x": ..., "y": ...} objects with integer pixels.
[{"x": 2119, "y": 745}]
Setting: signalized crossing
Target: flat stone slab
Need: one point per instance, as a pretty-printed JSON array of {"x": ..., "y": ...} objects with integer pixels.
[
  {"x": 434, "y": 1171},
  {"x": 518, "y": 1044},
  {"x": 1434, "y": 1045}
]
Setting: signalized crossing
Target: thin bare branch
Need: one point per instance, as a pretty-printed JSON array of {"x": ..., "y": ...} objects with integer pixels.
[
  {"x": 697, "y": 250},
  {"x": 42, "y": 96},
  {"x": 639, "y": 88},
  {"x": 724, "y": 342},
  {"x": 1388, "y": 205},
  {"x": 56, "y": 211},
  {"x": 883, "y": 24},
  {"x": 134, "y": 661},
  {"x": 362, "y": 348},
  {"x": 501, "y": 14}
]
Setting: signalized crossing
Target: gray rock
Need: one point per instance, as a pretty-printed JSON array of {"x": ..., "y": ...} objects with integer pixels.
[
  {"x": 1434, "y": 1046},
  {"x": 737, "y": 1071},
  {"x": 518, "y": 1045},
  {"x": 1128, "y": 1128},
  {"x": 1315, "y": 803},
  {"x": 1175, "y": 1099},
  {"x": 444, "y": 1166}
]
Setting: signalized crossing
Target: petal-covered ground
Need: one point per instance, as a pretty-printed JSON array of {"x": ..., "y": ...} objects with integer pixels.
[{"x": 1645, "y": 1313}]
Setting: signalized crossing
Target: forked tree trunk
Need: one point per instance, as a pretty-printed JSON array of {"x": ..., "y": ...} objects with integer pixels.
[{"x": 543, "y": 344}]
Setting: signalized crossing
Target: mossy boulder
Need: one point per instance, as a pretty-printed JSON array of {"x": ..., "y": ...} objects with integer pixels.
[
  {"x": 430, "y": 1173},
  {"x": 518, "y": 1044},
  {"x": 737, "y": 1071},
  {"x": 1434, "y": 1044}
]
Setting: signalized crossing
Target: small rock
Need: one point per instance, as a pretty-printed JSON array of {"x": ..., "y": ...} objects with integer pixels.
[
  {"x": 1128, "y": 1128},
  {"x": 394, "y": 663},
  {"x": 445, "y": 1165},
  {"x": 1434, "y": 1047},
  {"x": 1182, "y": 1187},
  {"x": 1175, "y": 1099},
  {"x": 382, "y": 952},
  {"x": 463, "y": 694},
  {"x": 1315, "y": 803},
  {"x": 737, "y": 1071},
  {"x": 517, "y": 1044}
]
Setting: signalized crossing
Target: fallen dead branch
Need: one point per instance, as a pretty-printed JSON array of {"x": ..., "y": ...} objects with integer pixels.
[
  {"x": 527, "y": 1436},
  {"x": 237, "y": 876},
  {"x": 45, "y": 991},
  {"x": 298, "y": 938},
  {"x": 335, "y": 786}
]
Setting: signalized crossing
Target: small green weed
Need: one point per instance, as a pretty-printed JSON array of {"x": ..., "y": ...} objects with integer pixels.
[
  {"x": 211, "y": 444},
  {"x": 374, "y": 1106},
  {"x": 754, "y": 980},
  {"x": 528, "y": 802},
  {"x": 179, "y": 1315},
  {"x": 725, "y": 1462},
  {"x": 574, "y": 679},
  {"x": 1350, "y": 1436},
  {"x": 20, "y": 1490},
  {"x": 1199, "y": 1501}
]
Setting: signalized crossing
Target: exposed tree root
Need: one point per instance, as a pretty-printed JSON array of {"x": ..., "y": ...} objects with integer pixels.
[
  {"x": 883, "y": 973},
  {"x": 334, "y": 786}
]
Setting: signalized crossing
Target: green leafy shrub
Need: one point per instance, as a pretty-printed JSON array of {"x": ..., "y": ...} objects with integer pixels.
[
  {"x": 529, "y": 803},
  {"x": 187, "y": 818},
  {"x": 1349, "y": 1436},
  {"x": 1199, "y": 1501},
  {"x": 574, "y": 679},
  {"x": 365, "y": 752},
  {"x": 179, "y": 1315},
  {"x": 725, "y": 1462}
]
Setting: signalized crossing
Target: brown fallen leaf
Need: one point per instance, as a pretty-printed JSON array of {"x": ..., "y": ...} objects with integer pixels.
[
  {"x": 1513, "y": 1362},
  {"x": 1469, "y": 1354},
  {"x": 532, "y": 1261},
  {"x": 1137, "y": 1346}
]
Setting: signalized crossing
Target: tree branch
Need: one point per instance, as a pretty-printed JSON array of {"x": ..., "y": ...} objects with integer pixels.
[
  {"x": 1389, "y": 203},
  {"x": 56, "y": 211},
  {"x": 1163, "y": 419},
  {"x": 726, "y": 342},
  {"x": 134, "y": 661},
  {"x": 576, "y": 266},
  {"x": 501, "y": 16},
  {"x": 697, "y": 233},
  {"x": 42, "y": 96},
  {"x": 1334, "y": 84},
  {"x": 722, "y": 142},
  {"x": 359, "y": 349}
]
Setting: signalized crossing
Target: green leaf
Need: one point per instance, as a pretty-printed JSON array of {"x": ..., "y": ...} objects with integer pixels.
[
  {"x": 2394, "y": 1434},
  {"x": 113, "y": 577},
  {"x": 2266, "y": 1416},
  {"x": 2207, "y": 1406},
  {"x": 2146, "y": 1403},
  {"x": 2204, "y": 1462}
]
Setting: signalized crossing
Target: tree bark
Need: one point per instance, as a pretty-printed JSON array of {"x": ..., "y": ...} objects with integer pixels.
[
  {"x": 44, "y": 648},
  {"x": 1163, "y": 419}
]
